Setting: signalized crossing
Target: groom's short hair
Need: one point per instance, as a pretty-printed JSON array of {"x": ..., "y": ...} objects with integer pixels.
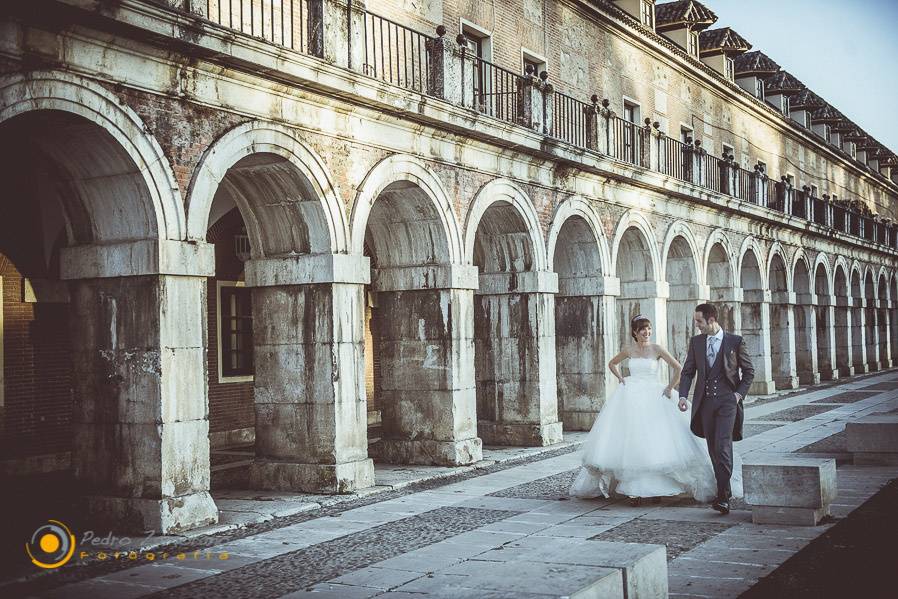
[{"x": 708, "y": 311}]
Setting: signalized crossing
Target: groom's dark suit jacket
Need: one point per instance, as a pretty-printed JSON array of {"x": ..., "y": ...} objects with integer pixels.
[{"x": 735, "y": 359}]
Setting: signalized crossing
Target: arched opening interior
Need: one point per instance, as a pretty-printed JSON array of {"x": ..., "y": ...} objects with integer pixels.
[
  {"x": 858, "y": 327},
  {"x": 682, "y": 279},
  {"x": 843, "y": 316},
  {"x": 882, "y": 314},
  {"x": 514, "y": 354},
  {"x": 720, "y": 280},
  {"x": 755, "y": 321},
  {"x": 871, "y": 329},
  {"x": 579, "y": 325},
  {"x": 67, "y": 181},
  {"x": 418, "y": 336},
  {"x": 782, "y": 341},
  {"x": 273, "y": 408},
  {"x": 638, "y": 292},
  {"x": 807, "y": 348},
  {"x": 893, "y": 318},
  {"x": 825, "y": 320}
]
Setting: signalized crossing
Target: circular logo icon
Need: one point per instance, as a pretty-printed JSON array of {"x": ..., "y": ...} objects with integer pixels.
[{"x": 51, "y": 545}]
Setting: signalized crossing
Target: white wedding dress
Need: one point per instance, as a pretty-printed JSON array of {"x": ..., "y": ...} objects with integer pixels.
[{"x": 641, "y": 446}]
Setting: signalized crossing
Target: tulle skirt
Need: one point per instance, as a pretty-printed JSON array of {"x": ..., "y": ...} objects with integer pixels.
[{"x": 641, "y": 446}]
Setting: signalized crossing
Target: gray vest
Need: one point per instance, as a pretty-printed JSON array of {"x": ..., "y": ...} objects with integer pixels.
[{"x": 716, "y": 383}]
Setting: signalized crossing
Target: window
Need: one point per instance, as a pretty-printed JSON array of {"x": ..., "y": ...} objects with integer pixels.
[
  {"x": 478, "y": 44},
  {"x": 815, "y": 193},
  {"x": 631, "y": 115},
  {"x": 235, "y": 332},
  {"x": 647, "y": 12},
  {"x": 790, "y": 179},
  {"x": 807, "y": 120},
  {"x": 692, "y": 41},
  {"x": 731, "y": 68},
  {"x": 685, "y": 134},
  {"x": 729, "y": 150},
  {"x": 763, "y": 166},
  {"x": 759, "y": 88},
  {"x": 530, "y": 59},
  {"x": 786, "y": 105}
]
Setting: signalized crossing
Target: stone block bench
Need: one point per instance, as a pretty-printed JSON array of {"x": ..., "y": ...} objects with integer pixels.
[
  {"x": 873, "y": 440},
  {"x": 580, "y": 567},
  {"x": 787, "y": 490}
]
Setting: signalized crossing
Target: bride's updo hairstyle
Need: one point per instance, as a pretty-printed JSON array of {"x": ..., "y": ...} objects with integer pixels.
[{"x": 638, "y": 323}]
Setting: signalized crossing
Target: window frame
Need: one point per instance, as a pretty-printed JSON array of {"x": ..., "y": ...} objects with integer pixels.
[
  {"x": 538, "y": 60},
  {"x": 730, "y": 68},
  {"x": 630, "y": 132},
  {"x": 484, "y": 51},
  {"x": 222, "y": 378},
  {"x": 647, "y": 13},
  {"x": 760, "y": 91}
]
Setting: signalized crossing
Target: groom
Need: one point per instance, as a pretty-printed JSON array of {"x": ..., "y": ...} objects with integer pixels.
[{"x": 718, "y": 358}]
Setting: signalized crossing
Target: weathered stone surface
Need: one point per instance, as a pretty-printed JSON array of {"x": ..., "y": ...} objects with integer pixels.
[
  {"x": 874, "y": 434},
  {"x": 802, "y": 487},
  {"x": 345, "y": 477}
]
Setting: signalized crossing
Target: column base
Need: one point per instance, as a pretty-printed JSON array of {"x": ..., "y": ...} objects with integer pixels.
[
  {"x": 761, "y": 387},
  {"x": 827, "y": 374},
  {"x": 795, "y": 516},
  {"x": 809, "y": 378},
  {"x": 269, "y": 475},
  {"x": 874, "y": 366},
  {"x": 846, "y": 371},
  {"x": 785, "y": 382},
  {"x": 428, "y": 452},
  {"x": 861, "y": 369},
  {"x": 163, "y": 516},
  {"x": 578, "y": 421},
  {"x": 519, "y": 435}
]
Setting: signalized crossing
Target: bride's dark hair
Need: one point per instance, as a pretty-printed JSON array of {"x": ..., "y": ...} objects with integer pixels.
[{"x": 637, "y": 324}]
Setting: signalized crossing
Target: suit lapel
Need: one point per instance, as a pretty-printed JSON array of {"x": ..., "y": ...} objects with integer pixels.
[{"x": 703, "y": 345}]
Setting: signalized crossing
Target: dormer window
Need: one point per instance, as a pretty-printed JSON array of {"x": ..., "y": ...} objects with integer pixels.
[
  {"x": 647, "y": 14},
  {"x": 759, "y": 89},
  {"x": 692, "y": 48},
  {"x": 786, "y": 105},
  {"x": 730, "y": 69}
]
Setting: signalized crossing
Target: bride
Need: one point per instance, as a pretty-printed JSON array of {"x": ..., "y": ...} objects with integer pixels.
[{"x": 640, "y": 444}]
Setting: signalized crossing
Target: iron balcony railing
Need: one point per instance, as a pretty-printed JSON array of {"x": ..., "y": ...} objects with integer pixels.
[
  {"x": 397, "y": 54},
  {"x": 569, "y": 119}
]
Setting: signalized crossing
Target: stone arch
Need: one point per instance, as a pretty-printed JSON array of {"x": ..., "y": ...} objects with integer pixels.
[
  {"x": 882, "y": 319},
  {"x": 682, "y": 273},
  {"x": 417, "y": 314},
  {"x": 578, "y": 253},
  {"x": 842, "y": 316},
  {"x": 782, "y": 319},
  {"x": 720, "y": 277},
  {"x": 858, "y": 318},
  {"x": 637, "y": 266},
  {"x": 258, "y": 165},
  {"x": 504, "y": 200},
  {"x": 120, "y": 145},
  {"x": 754, "y": 312},
  {"x": 757, "y": 278},
  {"x": 871, "y": 320},
  {"x": 632, "y": 222},
  {"x": 778, "y": 271},
  {"x": 514, "y": 308},
  {"x": 582, "y": 212},
  {"x": 397, "y": 174},
  {"x": 805, "y": 320},
  {"x": 823, "y": 273}
]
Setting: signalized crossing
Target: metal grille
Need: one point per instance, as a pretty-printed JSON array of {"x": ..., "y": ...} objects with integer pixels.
[
  {"x": 569, "y": 119},
  {"x": 395, "y": 53},
  {"x": 281, "y": 22},
  {"x": 493, "y": 91}
]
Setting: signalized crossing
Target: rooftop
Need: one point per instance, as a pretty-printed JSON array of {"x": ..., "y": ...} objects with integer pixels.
[
  {"x": 722, "y": 41},
  {"x": 673, "y": 15},
  {"x": 755, "y": 62}
]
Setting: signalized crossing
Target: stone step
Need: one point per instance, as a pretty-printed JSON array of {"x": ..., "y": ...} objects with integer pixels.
[{"x": 789, "y": 490}]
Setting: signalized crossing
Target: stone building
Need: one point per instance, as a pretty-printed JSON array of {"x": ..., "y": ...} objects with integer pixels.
[{"x": 346, "y": 232}]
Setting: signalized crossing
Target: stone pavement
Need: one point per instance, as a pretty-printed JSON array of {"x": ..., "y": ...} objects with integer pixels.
[{"x": 503, "y": 529}]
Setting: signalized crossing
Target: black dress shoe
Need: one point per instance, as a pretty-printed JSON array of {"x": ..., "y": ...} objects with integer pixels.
[{"x": 722, "y": 506}]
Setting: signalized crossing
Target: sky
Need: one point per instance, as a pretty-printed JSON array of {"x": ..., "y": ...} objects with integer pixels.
[{"x": 846, "y": 51}]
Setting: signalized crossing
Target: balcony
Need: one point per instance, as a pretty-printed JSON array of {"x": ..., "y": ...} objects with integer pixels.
[{"x": 437, "y": 67}]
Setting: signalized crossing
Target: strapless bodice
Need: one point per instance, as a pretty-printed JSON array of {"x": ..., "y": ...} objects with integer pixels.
[{"x": 643, "y": 367}]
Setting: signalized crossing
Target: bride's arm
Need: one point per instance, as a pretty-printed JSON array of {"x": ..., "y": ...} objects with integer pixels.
[
  {"x": 675, "y": 368},
  {"x": 612, "y": 365}
]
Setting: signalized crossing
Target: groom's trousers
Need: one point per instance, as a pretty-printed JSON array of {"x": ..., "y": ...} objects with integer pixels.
[{"x": 718, "y": 414}]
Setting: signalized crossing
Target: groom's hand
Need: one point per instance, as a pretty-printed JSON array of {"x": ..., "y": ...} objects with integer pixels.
[
  {"x": 682, "y": 405},
  {"x": 738, "y": 397}
]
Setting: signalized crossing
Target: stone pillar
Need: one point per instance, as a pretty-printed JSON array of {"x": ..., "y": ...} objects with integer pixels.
[
  {"x": 759, "y": 181},
  {"x": 681, "y": 316},
  {"x": 424, "y": 334},
  {"x": 825, "y": 326},
  {"x": 756, "y": 333},
  {"x": 593, "y": 128},
  {"x": 337, "y": 32},
  {"x": 729, "y": 308},
  {"x": 606, "y": 129},
  {"x": 842, "y": 331},
  {"x": 140, "y": 418},
  {"x": 651, "y": 145},
  {"x": 515, "y": 359},
  {"x": 858, "y": 335},
  {"x": 782, "y": 337},
  {"x": 871, "y": 323},
  {"x": 444, "y": 65},
  {"x": 885, "y": 341},
  {"x": 584, "y": 343},
  {"x": 311, "y": 419},
  {"x": 533, "y": 108},
  {"x": 807, "y": 359},
  {"x": 694, "y": 171},
  {"x": 729, "y": 185}
]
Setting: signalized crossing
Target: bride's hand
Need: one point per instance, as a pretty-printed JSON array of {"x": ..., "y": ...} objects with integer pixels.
[
  {"x": 620, "y": 380},
  {"x": 667, "y": 392}
]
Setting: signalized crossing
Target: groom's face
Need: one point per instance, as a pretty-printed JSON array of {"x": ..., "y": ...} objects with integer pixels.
[{"x": 703, "y": 326}]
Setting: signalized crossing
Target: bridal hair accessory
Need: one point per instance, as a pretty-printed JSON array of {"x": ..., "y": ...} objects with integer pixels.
[{"x": 639, "y": 317}]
